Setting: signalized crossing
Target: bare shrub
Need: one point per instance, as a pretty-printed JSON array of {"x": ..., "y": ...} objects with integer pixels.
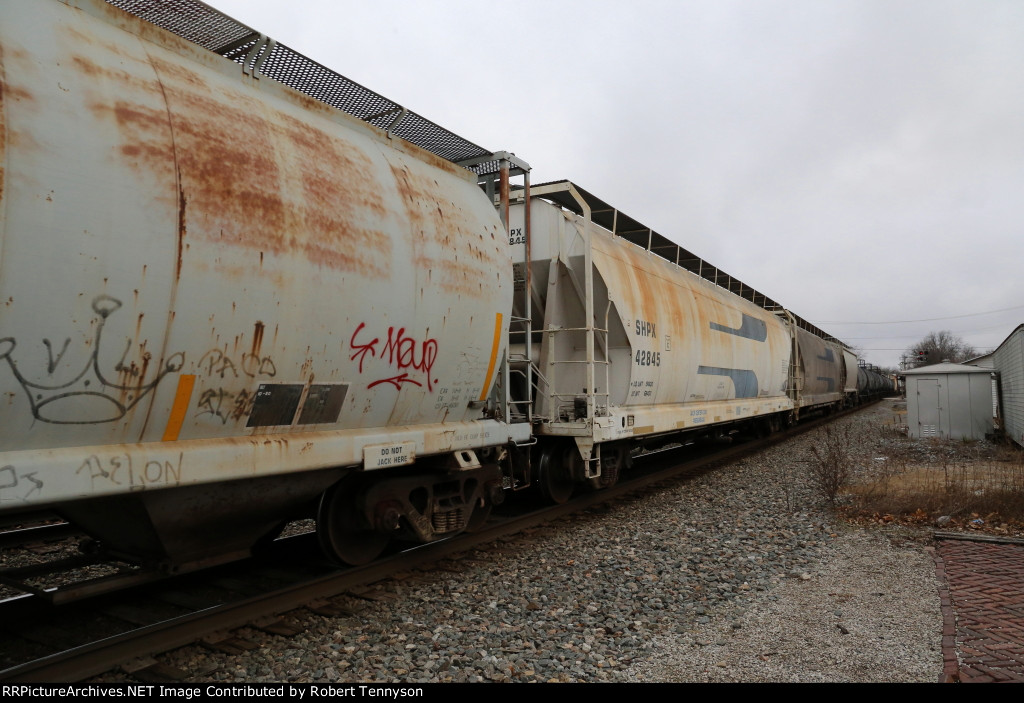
[{"x": 830, "y": 469}]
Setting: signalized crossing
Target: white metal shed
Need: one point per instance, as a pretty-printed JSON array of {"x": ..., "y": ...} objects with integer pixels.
[{"x": 949, "y": 400}]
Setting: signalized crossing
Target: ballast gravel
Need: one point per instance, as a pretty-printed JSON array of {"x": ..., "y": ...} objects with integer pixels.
[{"x": 739, "y": 574}]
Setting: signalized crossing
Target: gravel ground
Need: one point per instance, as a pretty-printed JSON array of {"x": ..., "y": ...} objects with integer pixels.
[
  {"x": 740, "y": 574},
  {"x": 868, "y": 612}
]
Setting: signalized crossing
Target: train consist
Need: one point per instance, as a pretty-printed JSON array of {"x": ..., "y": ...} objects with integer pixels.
[{"x": 239, "y": 289}]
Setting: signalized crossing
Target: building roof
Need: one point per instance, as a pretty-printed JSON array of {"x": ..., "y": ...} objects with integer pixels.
[
  {"x": 946, "y": 368},
  {"x": 982, "y": 360},
  {"x": 1016, "y": 330}
]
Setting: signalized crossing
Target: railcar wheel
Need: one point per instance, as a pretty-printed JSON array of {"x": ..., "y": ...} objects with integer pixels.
[
  {"x": 340, "y": 529},
  {"x": 554, "y": 474}
]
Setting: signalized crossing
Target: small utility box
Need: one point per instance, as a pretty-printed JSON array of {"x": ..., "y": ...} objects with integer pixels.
[{"x": 953, "y": 401}]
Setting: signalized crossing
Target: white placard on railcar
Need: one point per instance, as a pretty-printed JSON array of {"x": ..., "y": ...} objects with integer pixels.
[{"x": 382, "y": 456}]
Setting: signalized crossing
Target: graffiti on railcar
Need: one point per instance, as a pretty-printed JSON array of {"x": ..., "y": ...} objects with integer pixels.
[
  {"x": 216, "y": 362},
  {"x": 225, "y": 404},
  {"x": 90, "y": 397},
  {"x": 399, "y": 351},
  {"x": 15, "y": 486},
  {"x": 124, "y": 470}
]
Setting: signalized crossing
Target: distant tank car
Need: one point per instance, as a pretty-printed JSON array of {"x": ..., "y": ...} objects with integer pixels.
[
  {"x": 239, "y": 289},
  {"x": 871, "y": 383}
]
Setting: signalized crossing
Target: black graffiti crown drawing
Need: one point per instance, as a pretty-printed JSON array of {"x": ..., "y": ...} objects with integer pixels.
[{"x": 90, "y": 397}]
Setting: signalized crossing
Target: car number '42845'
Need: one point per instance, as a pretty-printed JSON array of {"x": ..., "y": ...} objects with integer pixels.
[{"x": 648, "y": 358}]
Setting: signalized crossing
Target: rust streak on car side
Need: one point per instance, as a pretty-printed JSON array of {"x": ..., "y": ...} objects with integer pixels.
[{"x": 257, "y": 338}]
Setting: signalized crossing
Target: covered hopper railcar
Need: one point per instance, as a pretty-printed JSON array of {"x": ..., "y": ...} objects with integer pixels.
[
  {"x": 229, "y": 303},
  {"x": 213, "y": 284},
  {"x": 627, "y": 346}
]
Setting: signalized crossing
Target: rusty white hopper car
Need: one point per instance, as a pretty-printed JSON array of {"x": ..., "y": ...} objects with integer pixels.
[
  {"x": 224, "y": 300},
  {"x": 627, "y": 344}
]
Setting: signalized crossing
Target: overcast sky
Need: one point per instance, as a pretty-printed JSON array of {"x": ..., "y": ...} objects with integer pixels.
[{"x": 857, "y": 161}]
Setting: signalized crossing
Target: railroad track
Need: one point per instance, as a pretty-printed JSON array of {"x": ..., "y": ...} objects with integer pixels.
[{"x": 69, "y": 639}]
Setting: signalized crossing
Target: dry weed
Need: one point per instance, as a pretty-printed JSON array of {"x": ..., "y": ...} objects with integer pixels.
[{"x": 944, "y": 477}]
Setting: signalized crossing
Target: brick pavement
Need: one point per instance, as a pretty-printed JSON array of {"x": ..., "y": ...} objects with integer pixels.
[{"x": 983, "y": 610}]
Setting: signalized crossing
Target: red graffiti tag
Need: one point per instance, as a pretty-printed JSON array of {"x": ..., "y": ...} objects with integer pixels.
[
  {"x": 400, "y": 352},
  {"x": 397, "y": 381},
  {"x": 361, "y": 350}
]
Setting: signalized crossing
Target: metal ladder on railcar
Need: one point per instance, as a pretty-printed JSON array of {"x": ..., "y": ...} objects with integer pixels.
[{"x": 516, "y": 379}]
